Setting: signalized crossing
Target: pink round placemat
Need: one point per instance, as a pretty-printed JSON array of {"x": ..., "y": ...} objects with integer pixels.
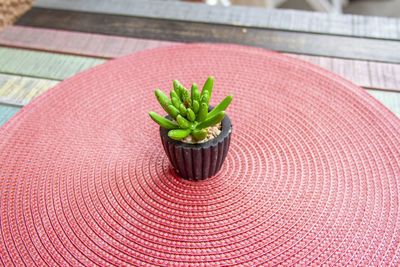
[{"x": 311, "y": 177}]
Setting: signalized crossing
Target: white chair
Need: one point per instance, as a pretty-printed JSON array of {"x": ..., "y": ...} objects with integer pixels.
[
  {"x": 333, "y": 6},
  {"x": 330, "y": 6}
]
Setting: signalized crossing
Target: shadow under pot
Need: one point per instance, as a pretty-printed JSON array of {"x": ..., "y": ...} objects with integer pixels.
[{"x": 198, "y": 161}]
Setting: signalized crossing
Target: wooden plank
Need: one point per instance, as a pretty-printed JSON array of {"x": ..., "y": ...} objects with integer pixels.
[
  {"x": 6, "y": 112},
  {"x": 19, "y": 91},
  {"x": 292, "y": 42},
  {"x": 289, "y": 20},
  {"x": 43, "y": 65},
  {"x": 390, "y": 99},
  {"x": 366, "y": 74},
  {"x": 75, "y": 43}
]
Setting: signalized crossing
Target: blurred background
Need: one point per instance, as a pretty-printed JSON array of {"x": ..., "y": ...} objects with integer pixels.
[
  {"x": 10, "y": 10},
  {"x": 382, "y": 8}
]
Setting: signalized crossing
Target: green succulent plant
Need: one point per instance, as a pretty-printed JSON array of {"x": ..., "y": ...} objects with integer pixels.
[{"x": 189, "y": 111}]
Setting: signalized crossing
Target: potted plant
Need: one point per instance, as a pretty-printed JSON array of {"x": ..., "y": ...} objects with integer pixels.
[{"x": 195, "y": 136}]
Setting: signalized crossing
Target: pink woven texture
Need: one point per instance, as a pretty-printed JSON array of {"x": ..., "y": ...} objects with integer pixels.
[{"x": 311, "y": 177}]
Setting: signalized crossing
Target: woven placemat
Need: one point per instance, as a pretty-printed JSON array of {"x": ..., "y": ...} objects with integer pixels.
[{"x": 312, "y": 175}]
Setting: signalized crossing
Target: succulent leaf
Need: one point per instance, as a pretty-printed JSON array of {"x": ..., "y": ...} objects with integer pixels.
[
  {"x": 190, "y": 115},
  {"x": 221, "y": 106},
  {"x": 195, "y": 106},
  {"x": 179, "y": 133},
  {"x": 172, "y": 111},
  {"x": 212, "y": 120},
  {"x": 163, "y": 122},
  {"x": 203, "y": 111},
  {"x": 176, "y": 102},
  {"x": 205, "y": 98},
  {"x": 199, "y": 134},
  {"x": 173, "y": 94},
  {"x": 177, "y": 87},
  {"x": 189, "y": 110},
  {"x": 186, "y": 98},
  {"x": 182, "y": 110},
  {"x": 183, "y": 123},
  {"x": 162, "y": 99},
  {"x": 208, "y": 85},
  {"x": 195, "y": 94}
]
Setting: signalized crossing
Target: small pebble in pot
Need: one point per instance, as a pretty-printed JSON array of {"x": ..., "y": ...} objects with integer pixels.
[{"x": 212, "y": 132}]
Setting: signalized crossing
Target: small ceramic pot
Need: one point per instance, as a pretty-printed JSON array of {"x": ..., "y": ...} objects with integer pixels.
[{"x": 198, "y": 161}]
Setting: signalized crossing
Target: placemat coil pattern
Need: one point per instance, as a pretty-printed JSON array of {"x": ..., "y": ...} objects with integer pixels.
[{"x": 311, "y": 177}]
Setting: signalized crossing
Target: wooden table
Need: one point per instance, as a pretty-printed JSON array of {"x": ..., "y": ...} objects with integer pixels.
[
  {"x": 63, "y": 193},
  {"x": 57, "y": 39}
]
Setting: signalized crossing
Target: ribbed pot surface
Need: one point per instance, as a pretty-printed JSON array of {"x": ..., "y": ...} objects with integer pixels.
[{"x": 198, "y": 161}]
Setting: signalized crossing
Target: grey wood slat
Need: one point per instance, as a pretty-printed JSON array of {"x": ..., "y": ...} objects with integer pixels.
[
  {"x": 367, "y": 74},
  {"x": 290, "y": 20},
  {"x": 161, "y": 29}
]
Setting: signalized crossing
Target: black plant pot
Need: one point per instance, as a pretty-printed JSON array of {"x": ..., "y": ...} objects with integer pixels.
[{"x": 198, "y": 161}]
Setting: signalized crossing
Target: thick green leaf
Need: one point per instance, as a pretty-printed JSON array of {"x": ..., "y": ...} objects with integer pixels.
[
  {"x": 211, "y": 121},
  {"x": 163, "y": 122}
]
